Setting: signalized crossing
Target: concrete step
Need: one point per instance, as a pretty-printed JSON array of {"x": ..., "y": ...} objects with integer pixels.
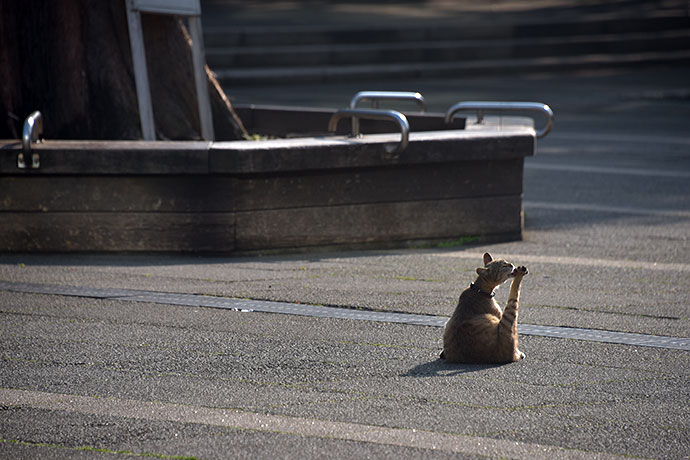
[
  {"x": 445, "y": 50},
  {"x": 266, "y": 55},
  {"x": 263, "y": 36},
  {"x": 305, "y": 74}
]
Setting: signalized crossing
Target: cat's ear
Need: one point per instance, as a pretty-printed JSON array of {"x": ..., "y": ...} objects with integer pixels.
[
  {"x": 487, "y": 258},
  {"x": 482, "y": 271}
]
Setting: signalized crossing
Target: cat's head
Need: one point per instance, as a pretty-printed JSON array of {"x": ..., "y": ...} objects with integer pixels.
[{"x": 497, "y": 271}]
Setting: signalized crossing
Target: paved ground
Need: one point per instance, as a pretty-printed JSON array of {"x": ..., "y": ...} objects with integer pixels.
[
  {"x": 608, "y": 206},
  {"x": 607, "y": 202}
]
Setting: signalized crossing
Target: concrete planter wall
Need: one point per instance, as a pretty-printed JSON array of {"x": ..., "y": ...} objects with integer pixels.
[{"x": 282, "y": 194}]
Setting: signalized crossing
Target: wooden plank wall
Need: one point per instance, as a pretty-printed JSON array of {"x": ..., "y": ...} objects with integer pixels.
[
  {"x": 116, "y": 213},
  {"x": 290, "y": 121},
  {"x": 226, "y": 213},
  {"x": 179, "y": 202}
]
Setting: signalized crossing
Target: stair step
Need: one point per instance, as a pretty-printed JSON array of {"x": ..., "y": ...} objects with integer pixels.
[
  {"x": 303, "y": 74},
  {"x": 444, "y": 51},
  {"x": 598, "y": 35},
  {"x": 261, "y": 36}
]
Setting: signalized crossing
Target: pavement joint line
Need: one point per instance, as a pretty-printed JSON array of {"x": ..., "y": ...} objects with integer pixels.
[
  {"x": 264, "y": 306},
  {"x": 609, "y": 170},
  {"x": 618, "y": 138},
  {"x": 581, "y": 261},
  {"x": 606, "y": 209},
  {"x": 299, "y": 426}
]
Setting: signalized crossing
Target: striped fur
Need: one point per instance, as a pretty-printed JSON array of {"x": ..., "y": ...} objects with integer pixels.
[{"x": 479, "y": 331}]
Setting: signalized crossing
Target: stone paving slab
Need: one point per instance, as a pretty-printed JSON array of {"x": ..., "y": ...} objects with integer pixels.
[
  {"x": 421, "y": 282},
  {"x": 321, "y": 311}
]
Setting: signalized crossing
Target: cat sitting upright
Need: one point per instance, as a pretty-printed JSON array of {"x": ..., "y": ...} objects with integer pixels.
[{"x": 478, "y": 331}]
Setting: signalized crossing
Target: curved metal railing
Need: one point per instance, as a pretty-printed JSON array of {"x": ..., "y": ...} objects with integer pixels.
[
  {"x": 481, "y": 106},
  {"x": 32, "y": 132},
  {"x": 375, "y": 96},
  {"x": 375, "y": 114}
]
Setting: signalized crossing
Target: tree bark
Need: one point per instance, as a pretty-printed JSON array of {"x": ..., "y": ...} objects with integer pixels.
[{"x": 71, "y": 60}]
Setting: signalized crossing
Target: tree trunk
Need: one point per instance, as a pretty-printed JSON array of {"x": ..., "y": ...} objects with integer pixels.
[{"x": 71, "y": 60}]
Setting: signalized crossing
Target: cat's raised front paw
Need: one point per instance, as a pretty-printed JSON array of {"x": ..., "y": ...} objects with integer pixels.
[{"x": 520, "y": 271}]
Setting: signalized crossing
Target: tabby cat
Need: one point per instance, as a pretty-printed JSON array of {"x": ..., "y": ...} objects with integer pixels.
[{"x": 478, "y": 331}]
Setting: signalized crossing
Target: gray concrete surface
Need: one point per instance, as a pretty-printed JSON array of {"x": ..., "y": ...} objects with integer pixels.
[{"x": 607, "y": 202}]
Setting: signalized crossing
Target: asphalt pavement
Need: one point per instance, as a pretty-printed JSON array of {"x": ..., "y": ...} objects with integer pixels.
[{"x": 607, "y": 204}]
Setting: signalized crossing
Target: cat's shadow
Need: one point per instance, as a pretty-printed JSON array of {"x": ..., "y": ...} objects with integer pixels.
[{"x": 442, "y": 368}]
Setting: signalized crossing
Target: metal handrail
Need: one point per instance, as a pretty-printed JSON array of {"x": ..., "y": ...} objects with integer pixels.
[
  {"x": 375, "y": 96},
  {"x": 375, "y": 114},
  {"x": 32, "y": 132},
  {"x": 481, "y": 106},
  {"x": 33, "y": 128}
]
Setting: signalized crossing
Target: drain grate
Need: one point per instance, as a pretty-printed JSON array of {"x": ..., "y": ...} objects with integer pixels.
[{"x": 196, "y": 300}]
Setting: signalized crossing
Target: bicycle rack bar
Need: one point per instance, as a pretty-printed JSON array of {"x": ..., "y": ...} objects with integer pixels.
[
  {"x": 375, "y": 96},
  {"x": 375, "y": 114},
  {"x": 481, "y": 106},
  {"x": 33, "y": 132}
]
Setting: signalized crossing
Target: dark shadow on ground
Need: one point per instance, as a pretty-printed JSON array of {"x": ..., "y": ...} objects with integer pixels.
[{"x": 442, "y": 368}]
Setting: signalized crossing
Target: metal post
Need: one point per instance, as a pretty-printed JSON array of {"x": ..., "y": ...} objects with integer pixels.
[
  {"x": 191, "y": 9},
  {"x": 141, "y": 78},
  {"x": 200, "y": 79}
]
